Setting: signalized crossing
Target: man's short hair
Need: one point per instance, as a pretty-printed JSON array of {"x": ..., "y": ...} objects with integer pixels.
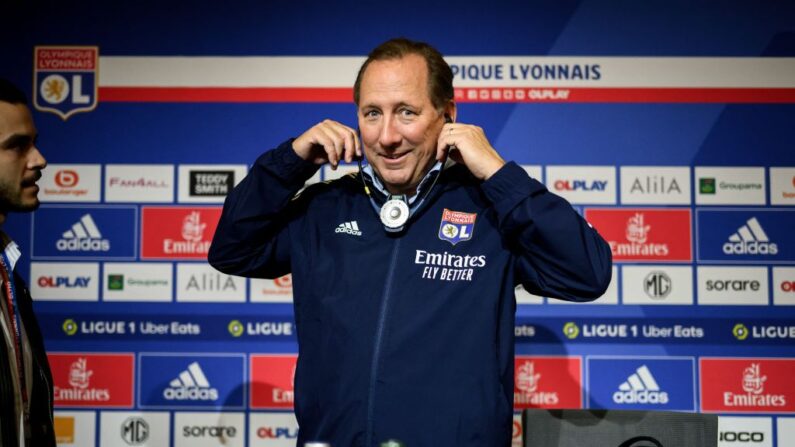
[
  {"x": 11, "y": 94},
  {"x": 440, "y": 76}
]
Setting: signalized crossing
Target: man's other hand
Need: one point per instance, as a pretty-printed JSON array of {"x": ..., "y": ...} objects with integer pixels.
[{"x": 328, "y": 142}]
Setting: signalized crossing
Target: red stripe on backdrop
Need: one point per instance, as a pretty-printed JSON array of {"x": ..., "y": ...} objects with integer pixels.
[{"x": 467, "y": 94}]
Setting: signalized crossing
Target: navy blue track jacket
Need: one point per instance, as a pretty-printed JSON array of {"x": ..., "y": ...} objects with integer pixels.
[{"x": 406, "y": 336}]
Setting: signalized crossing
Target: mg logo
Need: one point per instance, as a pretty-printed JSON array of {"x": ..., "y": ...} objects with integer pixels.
[{"x": 657, "y": 284}]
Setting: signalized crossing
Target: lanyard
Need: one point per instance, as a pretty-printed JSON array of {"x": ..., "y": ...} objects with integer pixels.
[{"x": 14, "y": 317}]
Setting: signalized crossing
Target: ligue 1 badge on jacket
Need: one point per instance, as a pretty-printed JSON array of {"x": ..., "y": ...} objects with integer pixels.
[
  {"x": 456, "y": 226},
  {"x": 65, "y": 79}
]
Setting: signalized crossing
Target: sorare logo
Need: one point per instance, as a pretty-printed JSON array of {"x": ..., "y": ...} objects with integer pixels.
[
  {"x": 641, "y": 383},
  {"x": 73, "y": 232},
  {"x": 191, "y": 381},
  {"x": 746, "y": 236}
]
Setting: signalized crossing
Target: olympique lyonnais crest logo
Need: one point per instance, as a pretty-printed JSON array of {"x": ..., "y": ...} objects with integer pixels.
[
  {"x": 456, "y": 226},
  {"x": 65, "y": 79}
]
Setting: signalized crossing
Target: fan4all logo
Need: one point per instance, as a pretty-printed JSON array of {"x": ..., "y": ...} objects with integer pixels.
[{"x": 65, "y": 79}]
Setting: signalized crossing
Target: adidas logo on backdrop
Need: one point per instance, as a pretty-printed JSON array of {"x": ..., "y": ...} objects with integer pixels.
[
  {"x": 83, "y": 236},
  {"x": 191, "y": 384},
  {"x": 351, "y": 228},
  {"x": 750, "y": 239},
  {"x": 640, "y": 388}
]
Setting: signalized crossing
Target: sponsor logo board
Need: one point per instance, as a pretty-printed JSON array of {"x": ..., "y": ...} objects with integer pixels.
[
  {"x": 191, "y": 380},
  {"x": 204, "y": 429},
  {"x": 736, "y": 431},
  {"x": 64, "y": 281},
  {"x": 136, "y": 281},
  {"x": 516, "y": 431},
  {"x": 70, "y": 183},
  {"x": 784, "y": 286},
  {"x": 732, "y": 285},
  {"x": 65, "y": 79},
  {"x": 177, "y": 232},
  {"x": 609, "y": 297},
  {"x": 208, "y": 183},
  {"x": 745, "y": 236},
  {"x": 583, "y": 184},
  {"x": 782, "y": 186},
  {"x": 655, "y": 185},
  {"x": 139, "y": 183},
  {"x": 92, "y": 380},
  {"x": 730, "y": 186},
  {"x": 534, "y": 171},
  {"x": 202, "y": 283},
  {"x": 72, "y": 232},
  {"x": 279, "y": 290},
  {"x": 658, "y": 284},
  {"x": 547, "y": 382},
  {"x": 135, "y": 428},
  {"x": 641, "y": 383},
  {"x": 643, "y": 234},
  {"x": 272, "y": 430},
  {"x": 785, "y": 430},
  {"x": 272, "y": 381},
  {"x": 747, "y": 385},
  {"x": 525, "y": 297},
  {"x": 75, "y": 428}
]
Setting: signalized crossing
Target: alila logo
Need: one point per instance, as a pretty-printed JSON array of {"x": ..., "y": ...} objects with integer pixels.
[
  {"x": 83, "y": 236},
  {"x": 527, "y": 381},
  {"x": 640, "y": 388},
  {"x": 191, "y": 384},
  {"x": 351, "y": 228},
  {"x": 750, "y": 239}
]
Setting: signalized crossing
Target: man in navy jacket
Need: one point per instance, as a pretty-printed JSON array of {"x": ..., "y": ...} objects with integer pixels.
[{"x": 404, "y": 274}]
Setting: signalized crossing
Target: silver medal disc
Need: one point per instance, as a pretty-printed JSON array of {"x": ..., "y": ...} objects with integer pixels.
[{"x": 394, "y": 213}]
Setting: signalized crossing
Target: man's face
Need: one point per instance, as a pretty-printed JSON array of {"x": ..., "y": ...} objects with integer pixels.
[
  {"x": 20, "y": 161},
  {"x": 399, "y": 125}
]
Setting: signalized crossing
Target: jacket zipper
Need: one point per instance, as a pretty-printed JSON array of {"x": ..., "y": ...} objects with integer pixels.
[{"x": 378, "y": 340}]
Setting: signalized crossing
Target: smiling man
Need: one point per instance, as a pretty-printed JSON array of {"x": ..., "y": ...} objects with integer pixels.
[
  {"x": 404, "y": 274},
  {"x": 26, "y": 417}
]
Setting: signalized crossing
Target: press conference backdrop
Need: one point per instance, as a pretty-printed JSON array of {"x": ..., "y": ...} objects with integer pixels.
[{"x": 668, "y": 125}]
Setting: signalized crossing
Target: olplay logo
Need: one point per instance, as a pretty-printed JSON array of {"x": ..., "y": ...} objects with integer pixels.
[
  {"x": 136, "y": 281},
  {"x": 208, "y": 183},
  {"x": 547, "y": 382},
  {"x": 71, "y": 232},
  {"x": 655, "y": 185},
  {"x": 782, "y": 186},
  {"x": 732, "y": 285},
  {"x": 730, "y": 186},
  {"x": 583, "y": 184},
  {"x": 736, "y": 431},
  {"x": 641, "y": 383},
  {"x": 272, "y": 381},
  {"x": 661, "y": 284},
  {"x": 75, "y": 428},
  {"x": 784, "y": 286},
  {"x": 279, "y": 290},
  {"x": 743, "y": 236},
  {"x": 178, "y": 232},
  {"x": 643, "y": 235},
  {"x": 202, "y": 283},
  {"x": 139, "y": 183},
  {"x": 138, "y": 428},
  {"x": 209, "y": 429},
  {"x": 191, "y": 381},
  {"x": 92, "y": 380},
  {"x": 734, "y": 385},
  {"x": 65, "y": 79},
  {"x": 272, "y": 430},
  {"x": 61, "y": 281},
  {"x": 70, "y": 183}
]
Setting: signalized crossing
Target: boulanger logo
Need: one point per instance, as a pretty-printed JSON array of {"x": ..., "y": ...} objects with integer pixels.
[
  {"x": 84, "y": 236},
  {"x": 640, "y": 387},
  {"x": 571, "y": 330},
  {"x": 740, "y": 331},
  {"x": 191, "y": 385},
  {"x": 750, "y": 239},
  {"x": 69, "y": 327}
]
